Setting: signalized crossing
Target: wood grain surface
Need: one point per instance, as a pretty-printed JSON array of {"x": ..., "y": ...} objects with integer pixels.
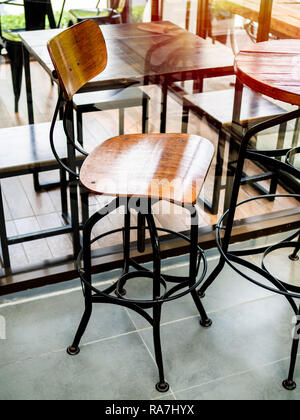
[
  {"x": 166, "y": 166},
  {"x": 78, "y": 55}
]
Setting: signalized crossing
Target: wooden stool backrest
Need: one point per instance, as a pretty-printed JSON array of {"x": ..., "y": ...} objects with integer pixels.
[{"x": 78, "y": 54}]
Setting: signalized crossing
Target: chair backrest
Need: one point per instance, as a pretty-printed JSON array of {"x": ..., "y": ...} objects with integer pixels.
[{"x": 78, "y": 54}]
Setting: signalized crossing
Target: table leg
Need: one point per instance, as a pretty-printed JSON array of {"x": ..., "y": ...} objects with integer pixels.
[
  {"x": 164, "y": 101},
  {"x": 26, "y": 57},
  {"x": 198, "y": 85},
  {"x": 236, "y": 130},
  {"x": 3, "y": 236}
]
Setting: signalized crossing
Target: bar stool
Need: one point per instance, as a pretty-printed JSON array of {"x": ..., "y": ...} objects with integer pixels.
[
  {"x": 236, "y": 259},
  {"x": 139, "y": 170}
]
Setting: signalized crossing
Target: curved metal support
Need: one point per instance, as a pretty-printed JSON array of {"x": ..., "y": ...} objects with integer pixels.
[
  {"x": 94, "y": 295},
  {"x": 54, "y": 119},
  {"x": 233, "y": 258}
]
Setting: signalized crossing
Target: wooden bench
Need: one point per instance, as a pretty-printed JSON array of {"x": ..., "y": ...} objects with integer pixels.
[{"x": 25, "y": 149}]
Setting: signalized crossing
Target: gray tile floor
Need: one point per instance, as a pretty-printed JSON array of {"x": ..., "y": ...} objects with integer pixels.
[{"x": 244, "y": 355}]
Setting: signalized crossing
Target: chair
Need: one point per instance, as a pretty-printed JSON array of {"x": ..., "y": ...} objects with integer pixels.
[
  {"x": 286, "y": 161},
  {"x": 138, "y": 170},
  {"x": 35, "y": 14},
  {"x": 109, "y": 15},
  {"x": 216, "y": 107}
]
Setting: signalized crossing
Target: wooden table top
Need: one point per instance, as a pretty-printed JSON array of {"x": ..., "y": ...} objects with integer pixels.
[
  {"x": 285, "y": 15},
  {"x": 272, "y": 68},
  {"x": 137, "y": 50}
]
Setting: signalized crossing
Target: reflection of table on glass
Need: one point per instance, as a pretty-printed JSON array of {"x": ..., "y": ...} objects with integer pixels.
[
  {"x": 159, "y": 53},
  {"x": 285, "y": 20},
  {"x": 273, "y": 69}
]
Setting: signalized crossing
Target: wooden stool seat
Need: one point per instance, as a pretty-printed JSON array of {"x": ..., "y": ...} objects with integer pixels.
[
  {"x": 217, "y": 107},
  {"x": 165, "y": 166}
]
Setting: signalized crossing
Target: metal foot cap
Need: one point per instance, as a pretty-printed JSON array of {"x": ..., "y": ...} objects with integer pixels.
[
  {"x": 201, "y": 294},
  {"x": 289, "y": 385},
  {"x": 206, "y": 323},
  {"x": 294, "y": 257},
  {"x": 73, "y": 351},
  {"x": 162, "y": 386}
]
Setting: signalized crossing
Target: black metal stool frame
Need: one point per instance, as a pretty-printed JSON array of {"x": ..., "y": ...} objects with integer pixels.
[
  {"x": 226, "y": 222},
  {"x": 94, "y": 295}
]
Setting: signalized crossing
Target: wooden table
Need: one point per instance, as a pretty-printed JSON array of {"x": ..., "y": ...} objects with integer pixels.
[
  {"x": 157, "y": 53},
  {"x": 285, "y": 20},
  {"x": 272, "y": 68}
]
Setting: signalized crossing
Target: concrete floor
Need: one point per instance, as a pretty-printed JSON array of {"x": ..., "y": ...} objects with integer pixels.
[{"x": 244, "y": 355}]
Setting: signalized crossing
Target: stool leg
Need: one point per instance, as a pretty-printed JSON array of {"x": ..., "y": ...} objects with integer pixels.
[
  {"x": 218, "y": 172},
  {"x": 74, "y": 349},
  {"x": 289, "y": 383},
  {"x": 63, "y": 195},
  {"x": 164, "y": 105},
  {"x": 79, "y": 127},
  {"x": 233, "y": 187},
  {"x": 141, "y": 233},
  {"x": 185, "y": 118},
  {"x": 296, "y": 133},
  {"x": 280, "y": 145},
  {"x": 84, "y": 195},
  {"x": 204, "y": 321},
  {"x": 145, "y": 118},
  {"x": 87, "y": 264},
  {"x": 14, "y": 50},
  {"x": 126, "y": 252},
  {"x": 3, "y": 235},
  {"x": 294, "y": 256},
  {"x": 162, "y": 385},
  {"x": 121, "y": 121}
]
